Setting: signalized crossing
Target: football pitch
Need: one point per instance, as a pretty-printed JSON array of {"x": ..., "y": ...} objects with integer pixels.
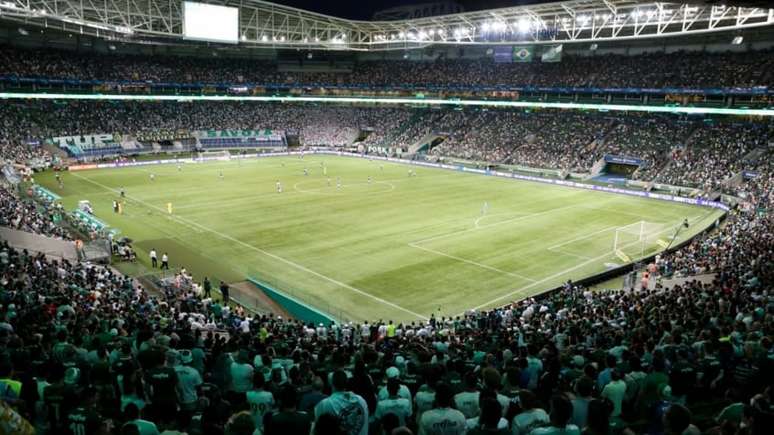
[{"x": 400, "y": 247}]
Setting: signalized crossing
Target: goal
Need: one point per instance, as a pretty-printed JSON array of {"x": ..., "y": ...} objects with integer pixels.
[
  {"x": 637, "y": 239},
  {"x": 214, "y": 155}
]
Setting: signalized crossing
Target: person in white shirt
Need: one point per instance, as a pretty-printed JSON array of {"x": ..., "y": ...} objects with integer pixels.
[
  {"x": 188, "y": 382},
  {"x": 348, "y": 407},
  {"x": 467, "y": 401},
  {"x": 164, "y": 261},
  {"x": 261, "y": 402},
  {"x": 531, "y": 417},
  {"x": 154, "y": 258},
  {"x": 241, "y": 373},
  {"x": 424, "y": 399},
  {"x": 487, "y": 421},
  {"x": 442, "y": 419},
  {"x": 394, "y": 404},
  {"x": 561, "y": 413},
  {"x": 403, "y": 391}
]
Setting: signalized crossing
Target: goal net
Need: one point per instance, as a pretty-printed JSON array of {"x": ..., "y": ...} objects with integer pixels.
[
  {"x": 214, "y": 155},
  {"x": 637, "y": 239}
]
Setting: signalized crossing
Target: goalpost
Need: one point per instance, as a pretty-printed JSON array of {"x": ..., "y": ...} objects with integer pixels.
[
  {"x": 637, "y": 239},
  {"x": 214, "y": 155}
]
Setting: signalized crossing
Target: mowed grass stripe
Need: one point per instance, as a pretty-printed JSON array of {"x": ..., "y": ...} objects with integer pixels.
[{"x": 269, "y": 254}]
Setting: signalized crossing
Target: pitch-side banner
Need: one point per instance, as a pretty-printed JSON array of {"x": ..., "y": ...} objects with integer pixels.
[
  {"x": 258, "y": 135},
  {"x": 86, "y": 141}
]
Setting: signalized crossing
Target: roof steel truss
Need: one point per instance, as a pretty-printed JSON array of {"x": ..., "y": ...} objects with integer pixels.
[{"x": 267, "y": 24}]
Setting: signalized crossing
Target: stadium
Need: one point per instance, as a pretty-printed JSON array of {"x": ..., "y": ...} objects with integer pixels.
[{"x": 473, "y": 217}]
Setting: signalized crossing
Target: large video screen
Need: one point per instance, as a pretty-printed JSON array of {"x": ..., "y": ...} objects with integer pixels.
[{"x": 214, "y": 23}]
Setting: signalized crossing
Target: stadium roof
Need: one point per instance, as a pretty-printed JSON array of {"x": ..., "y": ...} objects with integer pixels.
[{"x": 264, "y": 24}]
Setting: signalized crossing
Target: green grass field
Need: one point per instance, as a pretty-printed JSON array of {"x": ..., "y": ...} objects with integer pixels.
[{"x": 399, "y": 248}]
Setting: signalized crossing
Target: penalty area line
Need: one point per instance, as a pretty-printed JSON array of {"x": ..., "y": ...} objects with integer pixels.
[
  {"x": 268, "y": 254},
  {"x": 558, "y": 274},
  {"x": 484, "y": 266}
]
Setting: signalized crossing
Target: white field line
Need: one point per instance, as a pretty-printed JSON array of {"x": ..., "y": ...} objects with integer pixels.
[
  {"x": 336, "y": 191},
  {"x": 443, "y": 236},
  {"x": 219, "y": 204},
  {"x": 582, "y": 237},
  {"x": 268, "y": 254},
  {"x": 484, "y": 266},
  {"x": 558, "y": 274},
  {"x": 482, "y": 217},
  {"x": 570, "y": 254}
]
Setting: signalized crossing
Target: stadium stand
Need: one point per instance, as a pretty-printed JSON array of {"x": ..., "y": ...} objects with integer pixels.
[
  {"x": 626, "y": 361},
  {"x": 656, "y": 70}
]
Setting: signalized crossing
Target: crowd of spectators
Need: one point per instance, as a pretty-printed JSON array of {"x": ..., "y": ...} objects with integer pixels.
[
  {"x": 651, "y": 139},
  {"x": 650, "y": 70},
  {"x": 26, "y": 215},
  {"x": 563, "y": 142},
  {"x": 87, "y": 350},
  {"x": 673, "y": 150},
  {"x": 487, "y": 135},
  {"x": 714, "y": 154},
  {"x": 314, "y": 125}
]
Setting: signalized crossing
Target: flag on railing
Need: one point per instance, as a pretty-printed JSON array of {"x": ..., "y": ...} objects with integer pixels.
[
  {"x": 522, "y": 54},
  {"x": 553, "y": 54}
]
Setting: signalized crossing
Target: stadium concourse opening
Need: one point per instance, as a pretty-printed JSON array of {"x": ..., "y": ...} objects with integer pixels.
[{"x": 248, "y": 218}]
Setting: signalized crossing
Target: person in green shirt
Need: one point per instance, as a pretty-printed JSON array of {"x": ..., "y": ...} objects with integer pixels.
[
  {"x": 144, "y": 427},
  {"x": 652, "y": 382}
]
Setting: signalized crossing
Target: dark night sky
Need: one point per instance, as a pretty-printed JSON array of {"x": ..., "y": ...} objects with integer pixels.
[{"x": 363, "y": 9}]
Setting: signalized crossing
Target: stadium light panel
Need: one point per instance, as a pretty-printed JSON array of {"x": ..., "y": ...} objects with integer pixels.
[
  {"x": 206, "y": 22},
  {"x": 737, "y": 40},
  {"x": 524, "y": 25}
]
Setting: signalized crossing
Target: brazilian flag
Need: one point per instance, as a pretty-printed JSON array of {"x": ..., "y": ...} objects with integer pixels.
[{"x": 522, "y": 54}]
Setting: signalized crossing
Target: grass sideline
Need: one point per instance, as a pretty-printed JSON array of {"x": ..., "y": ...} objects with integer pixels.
[{"x": 399, "y": 248}]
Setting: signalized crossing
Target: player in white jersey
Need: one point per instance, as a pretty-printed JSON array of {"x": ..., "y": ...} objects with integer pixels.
[
  {"x": 179, "y": 168},
  {"x": 329, "y": 181},
  {"x": 152, "y": 176},
  {"x": 220, "y": 175},
  {"x": 338, "y": 182},
  {"x": 484, "y": 208},
  {"x": 369, "y": 179},
  {"x": 306, "y": 172},
  {"x": 279, "y": 187}
]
